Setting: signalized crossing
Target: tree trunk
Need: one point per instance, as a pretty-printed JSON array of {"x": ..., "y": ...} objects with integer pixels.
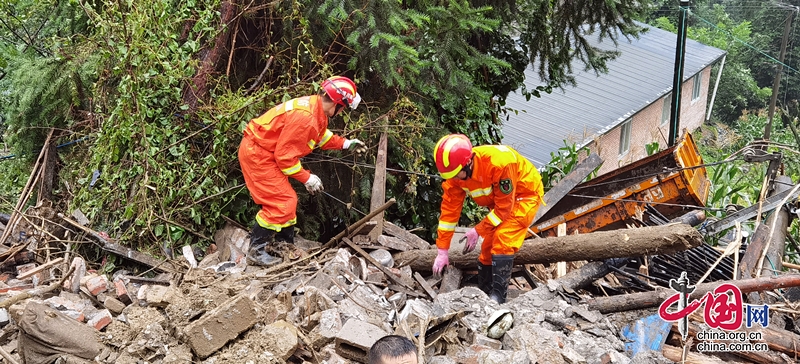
[
  {"x": 635, "y": 301},
  {"x": 664, "y": 239},
  {"x": 210, "y": 59}
]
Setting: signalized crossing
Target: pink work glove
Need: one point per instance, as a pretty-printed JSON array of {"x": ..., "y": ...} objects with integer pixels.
[
  {"x": 441, "y": 261},
  {"x": 472, "y": 240}
]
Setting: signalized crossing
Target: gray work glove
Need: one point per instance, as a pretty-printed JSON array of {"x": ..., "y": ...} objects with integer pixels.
[
  {"x": 314, "y": 184},
  {"x": 355, "y": 145}
]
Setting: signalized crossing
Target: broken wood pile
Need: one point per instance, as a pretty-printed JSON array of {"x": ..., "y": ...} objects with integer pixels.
[{"x": 327, "y": 303}]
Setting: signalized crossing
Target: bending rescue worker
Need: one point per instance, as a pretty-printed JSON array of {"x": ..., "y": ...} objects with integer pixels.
[
  {"x": 499, "y": 178},
  {"x": 270, "y": 153}
]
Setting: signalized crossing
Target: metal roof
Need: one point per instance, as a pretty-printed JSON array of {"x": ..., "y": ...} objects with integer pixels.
[{"x": 639, "y": 76}]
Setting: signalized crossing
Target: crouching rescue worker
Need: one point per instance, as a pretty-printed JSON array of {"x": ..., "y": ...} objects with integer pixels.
[
  {"x": 499, "y": 178},
  {"x": 270, "y": 153}
]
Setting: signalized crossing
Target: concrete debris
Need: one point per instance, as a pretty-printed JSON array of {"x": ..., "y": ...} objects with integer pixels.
[{"x": 316, "y": 307}]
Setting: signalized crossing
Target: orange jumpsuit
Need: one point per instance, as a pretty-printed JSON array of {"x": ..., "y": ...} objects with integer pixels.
[
  {"x": 270, "y": 152},
  {"x": 505, "y": 182}
]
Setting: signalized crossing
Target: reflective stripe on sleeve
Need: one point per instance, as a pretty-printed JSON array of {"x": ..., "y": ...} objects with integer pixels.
[
  {"x": 481, "y": 192},
  {"x": 325, "y": 138},
  {"x": 493, "y": 218},
  {"x": 292, "y": 170}
]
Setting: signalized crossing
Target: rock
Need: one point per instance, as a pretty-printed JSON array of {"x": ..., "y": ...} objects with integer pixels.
[{"x": 220, "y": 325}]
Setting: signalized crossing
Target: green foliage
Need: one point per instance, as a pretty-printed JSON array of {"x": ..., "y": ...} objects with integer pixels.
[
  {"x": 651, "y": 148},
  {"x": 738, "y": 90},
  {"x": 120, "y": 74},
  {"x": 736, "y": 181},
  {"x": 562, "y": 163}
]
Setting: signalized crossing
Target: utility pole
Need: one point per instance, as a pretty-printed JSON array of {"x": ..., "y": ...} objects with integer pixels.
[
  {"x": 680, "y": 51},
  {"x": 777, "y": 81}
]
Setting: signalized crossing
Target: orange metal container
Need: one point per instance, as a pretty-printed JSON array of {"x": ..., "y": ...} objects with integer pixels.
[{"x": 668, "y": 181}]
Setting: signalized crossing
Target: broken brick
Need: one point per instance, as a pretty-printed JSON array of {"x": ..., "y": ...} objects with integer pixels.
[
  {"x": 122, "y": 291},
  {"x": 77, "y": 315},
  {"x": 100, "y": 320},
  {"x": 97, "y": 285}
]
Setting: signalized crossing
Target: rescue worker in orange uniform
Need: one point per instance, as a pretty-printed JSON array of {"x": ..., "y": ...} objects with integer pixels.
[
  {"x": 499, "y": 178},
  {"x": 270, "y": 153}
]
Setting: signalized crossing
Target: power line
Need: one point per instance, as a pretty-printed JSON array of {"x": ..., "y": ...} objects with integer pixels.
[{"x": 744, "y": 43}]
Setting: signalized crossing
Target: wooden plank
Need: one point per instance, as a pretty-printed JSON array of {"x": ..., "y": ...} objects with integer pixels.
[
  {"x": 770, "y": 203},
  {"x": 561, "y": 267},
  {"x": 451, "y": 280},
  {"x": 40, "y": 268},
  {"x": 398, "y": 232},
  {"x": 377, "y": 264},
  {"x": 562, "y": 188},
  {"x": 427, "y": 287},
  {"x": 753, "y": 251},
  {"x": 379, "y": 185},
  {"x": 122, "y": 251}
]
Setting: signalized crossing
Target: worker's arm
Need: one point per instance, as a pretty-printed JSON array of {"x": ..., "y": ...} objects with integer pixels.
[
  {"x": 504, "y": 188},
  {"x": 297, "y": 139},
  {"x": 452, "y": 203},
  {"x": 331, "y": 141}
]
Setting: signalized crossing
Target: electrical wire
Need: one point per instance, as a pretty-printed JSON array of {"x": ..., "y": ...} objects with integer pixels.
[{"x": 743, "y": 42}]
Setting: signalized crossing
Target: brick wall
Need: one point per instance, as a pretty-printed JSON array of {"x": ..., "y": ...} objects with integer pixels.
[{"x": 646, "y": 127}]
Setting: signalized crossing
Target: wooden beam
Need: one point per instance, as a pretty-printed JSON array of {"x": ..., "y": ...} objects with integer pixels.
[
  {"x": 379, "y": 185},
  {"x": 40, "y": 268},
  {"x": 125, "y": 252},
  {"x": 635, "y": 301},
  {"x": 427, "y": 287},
  {"x": 377, "y": 264},
  {"x": 662, "y": 239}
]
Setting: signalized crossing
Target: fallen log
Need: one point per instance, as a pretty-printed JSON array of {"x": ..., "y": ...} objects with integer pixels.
[
  {"x": 635, "y": 301},
  {"x": 663, "y": 239},
  {"x": 676, "y": 354}
]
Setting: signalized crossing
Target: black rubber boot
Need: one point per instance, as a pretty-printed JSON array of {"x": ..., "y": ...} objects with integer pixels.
[
  {"x": 260, "y": 238},
  {"x": 286, "y": 234},
  {"x": 501, "y": 274},
  {"x": 484, "y": 277}
]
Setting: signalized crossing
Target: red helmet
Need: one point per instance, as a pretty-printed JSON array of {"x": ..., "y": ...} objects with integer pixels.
[
  {"x": 451, "y": 154},
  {"x": 342, "y": 91}
]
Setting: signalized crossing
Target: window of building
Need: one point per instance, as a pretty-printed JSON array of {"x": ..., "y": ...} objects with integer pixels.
[
  {"x": 666, "y": 108},
  {"x": 698, "y": 81},
  {"x": 625, "y": 137}
]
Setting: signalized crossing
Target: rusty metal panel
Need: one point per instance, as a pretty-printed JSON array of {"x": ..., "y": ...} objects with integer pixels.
[{"x": 667, "y": 181}]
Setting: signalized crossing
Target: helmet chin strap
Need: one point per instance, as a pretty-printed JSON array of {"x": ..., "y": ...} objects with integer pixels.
[{"x": 468, "y": 168}]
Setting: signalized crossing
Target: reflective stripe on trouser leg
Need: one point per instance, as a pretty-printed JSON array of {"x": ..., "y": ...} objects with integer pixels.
[{"x": 268, "y": 187}]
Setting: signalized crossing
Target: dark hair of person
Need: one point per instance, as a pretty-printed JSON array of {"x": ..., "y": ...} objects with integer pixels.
[{"x": 391, "y": 346}]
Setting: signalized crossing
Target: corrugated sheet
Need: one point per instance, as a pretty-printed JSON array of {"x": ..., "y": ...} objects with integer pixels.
[{"x": 641, "y": 75}]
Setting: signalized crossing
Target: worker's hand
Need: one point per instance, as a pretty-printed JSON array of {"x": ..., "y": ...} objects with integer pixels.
[
  {"x": 355, "y": 145},
  {"x": 442, "y": 260},
  {"x": 472, "y": 240},
  {"x": 314, "y": 184}
]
